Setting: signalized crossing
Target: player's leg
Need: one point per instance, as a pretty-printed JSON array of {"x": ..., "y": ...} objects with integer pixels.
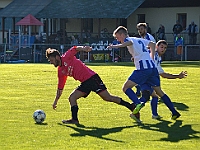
[
  {"x": 138, "y": 90},
  {"x": 74, "y": 96},
  {"x": 167, "y": 101},
  {"x": 127, "y": 89},
  {"x": 154, "y": 106},
  {"x": 105, "y": 95}
]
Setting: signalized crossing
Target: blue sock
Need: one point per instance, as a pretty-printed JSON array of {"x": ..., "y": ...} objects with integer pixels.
[
  {"x": 131, "y": 94},
  {"x": 169, "y": 104},
  {"x": 154, "y": 106},
  {"x": 138, "y": 89}
]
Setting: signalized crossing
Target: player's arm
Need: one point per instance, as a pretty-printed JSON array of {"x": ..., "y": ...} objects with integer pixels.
[
  {"x": 152, "y": 47},
  {"x": 84, "y": 48},
  {"x": 125, "y": 44},
  {"x": 61, "y": 83},
  {"x": 181, "y": 75},
  {"x": 58, "y": 94}
]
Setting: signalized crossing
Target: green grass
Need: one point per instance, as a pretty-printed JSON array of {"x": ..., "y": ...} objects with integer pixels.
[{"x": 27, "y": 87}]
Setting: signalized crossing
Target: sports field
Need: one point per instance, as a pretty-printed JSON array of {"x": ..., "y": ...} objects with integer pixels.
[{"x": 25, "y": 88}]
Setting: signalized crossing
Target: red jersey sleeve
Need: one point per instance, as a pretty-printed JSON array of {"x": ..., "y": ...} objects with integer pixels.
[
  {"x": 61, "y": 79},
  {"x": 70, "y": 53}
]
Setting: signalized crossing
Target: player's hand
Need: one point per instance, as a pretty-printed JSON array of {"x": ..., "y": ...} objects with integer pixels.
[
  {"x": 87, "y": 48},
  {"x": 183, "y": 74},
  {"x": 54, "y": 105},
  {"x": 109, "y": 47},
  {"x": 132, "y": 59}
]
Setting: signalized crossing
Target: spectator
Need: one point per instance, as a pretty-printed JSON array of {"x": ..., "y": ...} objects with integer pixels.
[
  {"x": 88, "y": 34},
  {"x": 74, "y": 41},
  {"x": 192, "y": 32},
  {"x": 148, "y": 28},
  {"x": 161, "y": 32},
  {"x": 177, "y": 29},
  {"x": 84, "y": 37},
  {"x": 104, "y": 33},
  {"x": 179, "y": 46}
]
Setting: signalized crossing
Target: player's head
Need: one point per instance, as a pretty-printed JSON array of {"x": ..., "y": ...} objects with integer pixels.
[
  {"x": 53, "y": 57},
  {"x": 120, "y": 33},
  {"x": 142, "y": 29},
  {"x": 161, "y": 47}
]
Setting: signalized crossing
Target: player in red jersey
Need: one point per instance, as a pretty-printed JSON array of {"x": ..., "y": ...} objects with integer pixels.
[{"x": 69, "y": 65}]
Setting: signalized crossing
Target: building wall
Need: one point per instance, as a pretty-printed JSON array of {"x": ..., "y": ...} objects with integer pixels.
[{"x": 167, "y": 17}]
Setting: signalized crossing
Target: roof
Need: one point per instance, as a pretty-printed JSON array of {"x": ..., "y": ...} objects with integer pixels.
[
  {"x": 21, "y": 8},
  {"x": 29, "y": 20},
  {"x": 170, "y": 3},
  {"x": 89, "y": 9}
]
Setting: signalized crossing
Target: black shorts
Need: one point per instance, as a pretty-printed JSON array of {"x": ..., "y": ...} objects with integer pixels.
[{"x": 94, "y": 84}]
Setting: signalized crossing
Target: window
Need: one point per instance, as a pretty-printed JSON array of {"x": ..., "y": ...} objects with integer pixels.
[
  {"x": 88, "y": 24},
  {"x": 182, "y": 18},
  {"x": 141, "y": 18}
]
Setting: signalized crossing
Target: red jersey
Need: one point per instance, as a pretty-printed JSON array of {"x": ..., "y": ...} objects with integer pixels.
[{"x": 73, "y": 67}]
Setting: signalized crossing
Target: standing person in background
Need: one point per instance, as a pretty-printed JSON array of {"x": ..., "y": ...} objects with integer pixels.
[
  {"x": 69, "y": 66},
  {"x": 177, "y": 29},
  {"x": 74, "y": 41},
  {"x": 179, "y": 46},
  {"x": 192, "y": 32},
  {"x": 161, "y": 32}
]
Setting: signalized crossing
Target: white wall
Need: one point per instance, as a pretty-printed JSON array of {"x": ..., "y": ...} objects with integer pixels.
[{"x": 165, "y": 16}]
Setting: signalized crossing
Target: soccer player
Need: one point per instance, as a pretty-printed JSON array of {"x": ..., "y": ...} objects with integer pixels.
[
  {"x": 161, "y": 47},
  {"x": 69, "y": 65},
  {"x": 142, "y": 33},
  {"x": 146, "y": 72}
]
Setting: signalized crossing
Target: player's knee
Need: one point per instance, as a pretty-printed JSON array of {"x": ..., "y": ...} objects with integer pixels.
[
  {"x": 124, "y": 89},
  {"x": 146, "y": 94}
]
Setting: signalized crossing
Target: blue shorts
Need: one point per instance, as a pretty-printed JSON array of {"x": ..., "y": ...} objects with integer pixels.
[{"x": 147, "y": 77}]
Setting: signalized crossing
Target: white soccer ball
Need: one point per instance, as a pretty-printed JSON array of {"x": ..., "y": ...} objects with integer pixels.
[{"x": 39, "y": 116}]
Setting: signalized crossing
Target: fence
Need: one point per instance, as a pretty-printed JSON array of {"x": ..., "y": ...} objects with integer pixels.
[{"x": 36, "y": 53}]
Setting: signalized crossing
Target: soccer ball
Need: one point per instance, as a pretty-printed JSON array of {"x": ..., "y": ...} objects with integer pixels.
[{"x": 39, "y": 116}]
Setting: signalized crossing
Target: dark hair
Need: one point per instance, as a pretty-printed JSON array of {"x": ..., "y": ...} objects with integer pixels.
[
  {"x": 142, "y": 25},
  {"x": 52, "y": 52},
  {"x": 120, "y": 30},
  {"x": 161, "y": 42}
]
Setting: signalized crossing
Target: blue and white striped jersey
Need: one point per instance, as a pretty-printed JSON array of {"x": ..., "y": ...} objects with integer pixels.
[
  {"x": 139, "y": 51},
  {"x": 157, "y": 61}
]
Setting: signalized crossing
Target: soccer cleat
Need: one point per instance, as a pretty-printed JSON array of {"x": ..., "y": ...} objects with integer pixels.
[
  {"x": 133, "y": 107},
  {"x": 175, "y": 116},
  {"x": 156, "y": 117},
  {"x": 135, "y": 117},
  {"x": 137, "y": 108},
  {"x": 70, "y": 121}
]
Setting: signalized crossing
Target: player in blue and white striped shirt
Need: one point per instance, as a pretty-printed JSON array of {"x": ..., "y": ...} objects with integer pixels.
[
  {"x": 146, "y": 72},
  {"x": 161, "y": 47}
]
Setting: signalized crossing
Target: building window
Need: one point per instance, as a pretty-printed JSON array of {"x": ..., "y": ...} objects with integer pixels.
[
  {"x": 182, "y": 18},
  {"x": 88, "y": 24},
  {"x": 141, "y": 18}
]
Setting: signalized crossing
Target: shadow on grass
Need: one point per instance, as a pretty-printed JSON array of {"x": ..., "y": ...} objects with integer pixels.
[
  {"x": 175, "y": 133},
  {"x": 41, "y": 124},
  {"x": 95, "y": 131},
  {"x": 177, "y": 105}
]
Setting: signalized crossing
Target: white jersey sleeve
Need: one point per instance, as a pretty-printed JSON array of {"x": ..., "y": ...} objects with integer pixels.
[{"x": 157, "y": 61}]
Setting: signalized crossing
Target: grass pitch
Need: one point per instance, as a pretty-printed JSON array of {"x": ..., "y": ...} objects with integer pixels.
[{"x": 25, "y": 88}]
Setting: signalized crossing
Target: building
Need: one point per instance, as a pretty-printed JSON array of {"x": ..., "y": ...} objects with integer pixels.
[{"x": 72, "y": 17}]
